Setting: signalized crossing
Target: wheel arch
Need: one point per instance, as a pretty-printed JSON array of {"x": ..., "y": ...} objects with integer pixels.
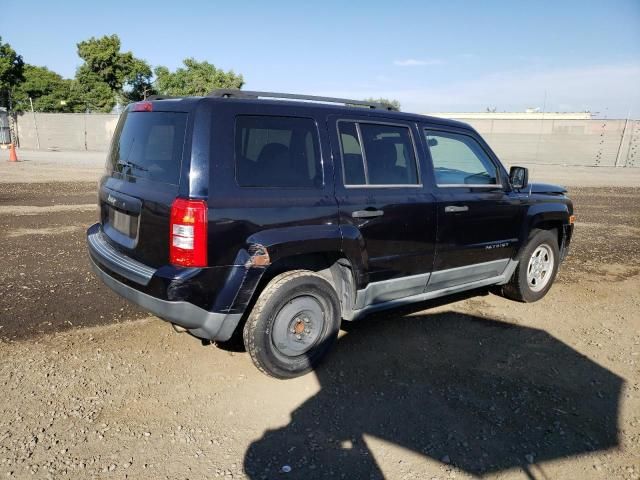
[
  {"x": 330, "y": 265},
  {"x": 547, "y": 216}
]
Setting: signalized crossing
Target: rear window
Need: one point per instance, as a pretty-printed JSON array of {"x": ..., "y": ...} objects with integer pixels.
[
  {"x": 277, "y": 152},
  {"x": 149, "y": 145}
]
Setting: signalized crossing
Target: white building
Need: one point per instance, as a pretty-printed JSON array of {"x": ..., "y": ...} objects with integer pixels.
[{"x": 529, "y": 114}]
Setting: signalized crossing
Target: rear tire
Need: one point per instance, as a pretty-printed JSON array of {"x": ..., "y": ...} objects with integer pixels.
[
  {"x": 293, "y": 324},
  {"x": 537, "y": 268}
]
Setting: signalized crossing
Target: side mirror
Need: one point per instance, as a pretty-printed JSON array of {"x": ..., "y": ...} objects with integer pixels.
[{"x": 519, "y": 177}]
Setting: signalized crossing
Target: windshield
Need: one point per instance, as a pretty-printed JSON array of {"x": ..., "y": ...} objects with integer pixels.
[{"x": 149, "y": 145}]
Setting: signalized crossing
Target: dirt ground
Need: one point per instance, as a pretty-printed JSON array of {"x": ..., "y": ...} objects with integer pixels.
[{"x": 90, "y": 386}]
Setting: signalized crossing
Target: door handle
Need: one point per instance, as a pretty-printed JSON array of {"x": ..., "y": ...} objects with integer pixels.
[
  {"x": 367, "y": 213},
  {"x": 455, "y": 208}
]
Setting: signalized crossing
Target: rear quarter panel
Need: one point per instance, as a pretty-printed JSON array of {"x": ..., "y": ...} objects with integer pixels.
[{"x": 285, "y": 219}]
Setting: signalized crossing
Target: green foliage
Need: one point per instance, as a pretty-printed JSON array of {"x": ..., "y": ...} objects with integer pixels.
[
  {"x": 197, "y": 78},
  {"x": 102, "y": 60},
  {"x": 48, "y": 90},
  {"x": 109, "y": 75},
  {"x": 11, "y": 71},
  {"x": 105, "y": 77},
  {"x": 95, "y": 93},
  {"x": 385, "y": 101},
  {"x": 138, "y": 81}
]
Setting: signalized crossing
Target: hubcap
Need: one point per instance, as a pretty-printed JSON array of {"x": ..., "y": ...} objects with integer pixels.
[
  {"x": 540, "y": 267},
  {"x": 298, "y": 326}
]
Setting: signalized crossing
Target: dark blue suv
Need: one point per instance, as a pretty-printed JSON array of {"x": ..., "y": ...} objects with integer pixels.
[{"x": 281, "y": 215}]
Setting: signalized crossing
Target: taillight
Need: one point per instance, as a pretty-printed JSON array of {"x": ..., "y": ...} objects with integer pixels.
[
  {"x": 188, "y": 233},
  {"x": 142, "y": 107}
]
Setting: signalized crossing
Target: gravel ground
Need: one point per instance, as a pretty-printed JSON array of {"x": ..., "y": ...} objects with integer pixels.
[
  {"x": 478, "y": 387},
  {"x": 46, "y": 283}
]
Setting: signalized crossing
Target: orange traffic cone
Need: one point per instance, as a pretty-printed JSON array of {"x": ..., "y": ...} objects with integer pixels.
[{"x": 13, "y": 157}]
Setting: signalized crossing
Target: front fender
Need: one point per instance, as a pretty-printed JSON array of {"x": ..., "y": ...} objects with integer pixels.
[{"x": 543, "y": 213}]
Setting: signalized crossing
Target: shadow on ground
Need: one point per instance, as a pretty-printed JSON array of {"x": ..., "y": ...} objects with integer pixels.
[{"x": 481, "y": 394}]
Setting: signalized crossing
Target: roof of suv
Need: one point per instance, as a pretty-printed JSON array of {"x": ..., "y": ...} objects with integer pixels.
[{"x": 314, "y": 103}]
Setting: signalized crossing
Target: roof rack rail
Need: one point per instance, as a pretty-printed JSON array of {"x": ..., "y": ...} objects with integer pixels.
[{"x": 228, "y": 93}]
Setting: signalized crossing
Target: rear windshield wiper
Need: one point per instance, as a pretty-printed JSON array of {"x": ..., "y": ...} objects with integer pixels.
[{"x": 129, "y": 164}]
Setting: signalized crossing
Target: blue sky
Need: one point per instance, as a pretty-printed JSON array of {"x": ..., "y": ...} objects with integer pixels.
[{"x": 431, "y": 55}]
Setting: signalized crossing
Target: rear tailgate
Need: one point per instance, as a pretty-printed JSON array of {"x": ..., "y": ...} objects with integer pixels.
[{"x": 142, "y": 179}]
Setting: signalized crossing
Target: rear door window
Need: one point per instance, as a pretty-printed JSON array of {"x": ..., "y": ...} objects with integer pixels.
[
  {"x": 377, "y": 154},
  {"x": 390, "y": 154},
  {"x": 273, "y": 151},
  {"x": 352, "y": 158},
  {"x": 149, "y": 145}
]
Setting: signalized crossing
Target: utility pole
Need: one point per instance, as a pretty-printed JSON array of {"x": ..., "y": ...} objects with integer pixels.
[
  {"x": 35, "y": 123},
  {"x": 544, "y": 109},
  {"x": 624, "y": 130}
]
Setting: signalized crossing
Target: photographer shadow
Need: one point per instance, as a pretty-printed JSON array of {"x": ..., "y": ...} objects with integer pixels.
[{"x": 480, "y": 394}]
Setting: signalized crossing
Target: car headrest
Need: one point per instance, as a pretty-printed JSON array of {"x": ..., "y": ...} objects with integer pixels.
[{"x": 273, "y": 153}]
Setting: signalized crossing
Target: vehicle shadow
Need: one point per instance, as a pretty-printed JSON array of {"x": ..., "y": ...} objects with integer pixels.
[{"x": 480, "y": 394}]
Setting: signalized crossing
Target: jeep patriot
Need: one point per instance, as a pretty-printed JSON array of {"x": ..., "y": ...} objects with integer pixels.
[{"x": 279, "y": 216}]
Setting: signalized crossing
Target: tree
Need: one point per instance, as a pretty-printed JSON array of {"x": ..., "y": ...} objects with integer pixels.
[
  {"x": 48, "y": 90},
  {"x": 138, "y": 81},
  {"x": 95, "y": 93},
  {"x": 197, "y": 78},
  {"x": 11, "y": 72},
  {"x": 109, "y": 75},
  {"x": 395, "y": 104}
]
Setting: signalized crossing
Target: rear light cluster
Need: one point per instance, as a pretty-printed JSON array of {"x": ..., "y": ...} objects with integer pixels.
[
  {"x": 188, "y": 233},
  {"x": 142, "y": 107}
]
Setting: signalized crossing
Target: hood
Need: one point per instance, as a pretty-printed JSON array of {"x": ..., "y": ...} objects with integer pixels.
[{"x": 546, "y": 188}]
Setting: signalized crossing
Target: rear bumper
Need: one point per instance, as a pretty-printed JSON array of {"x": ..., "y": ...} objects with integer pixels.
[{"x": 127, "y": 278}]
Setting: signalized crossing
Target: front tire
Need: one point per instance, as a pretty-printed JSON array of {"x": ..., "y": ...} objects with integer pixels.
[
  {"x": 537, "y": 268},
  {"x": 293, "y": 324}
]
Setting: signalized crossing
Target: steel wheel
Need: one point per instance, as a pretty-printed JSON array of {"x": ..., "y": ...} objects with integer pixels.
[
  {"x": 540, "y": 267},
  {"x": 298, "y": 326}
]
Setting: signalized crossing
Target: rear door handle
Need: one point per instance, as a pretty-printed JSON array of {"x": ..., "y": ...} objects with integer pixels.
[
  {"x": 367, "y": 213},
  {"x": 455, "y": 208}
]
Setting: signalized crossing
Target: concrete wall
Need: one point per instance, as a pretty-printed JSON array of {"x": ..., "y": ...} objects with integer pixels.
[
  {"x": 66, "y": 131},
  {"x": 563, "y": 142},
  {"x": 523, "y": 142}
]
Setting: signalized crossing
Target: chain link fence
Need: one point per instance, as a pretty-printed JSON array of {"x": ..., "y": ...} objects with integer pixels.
[{"x": 5, "y": 128}]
